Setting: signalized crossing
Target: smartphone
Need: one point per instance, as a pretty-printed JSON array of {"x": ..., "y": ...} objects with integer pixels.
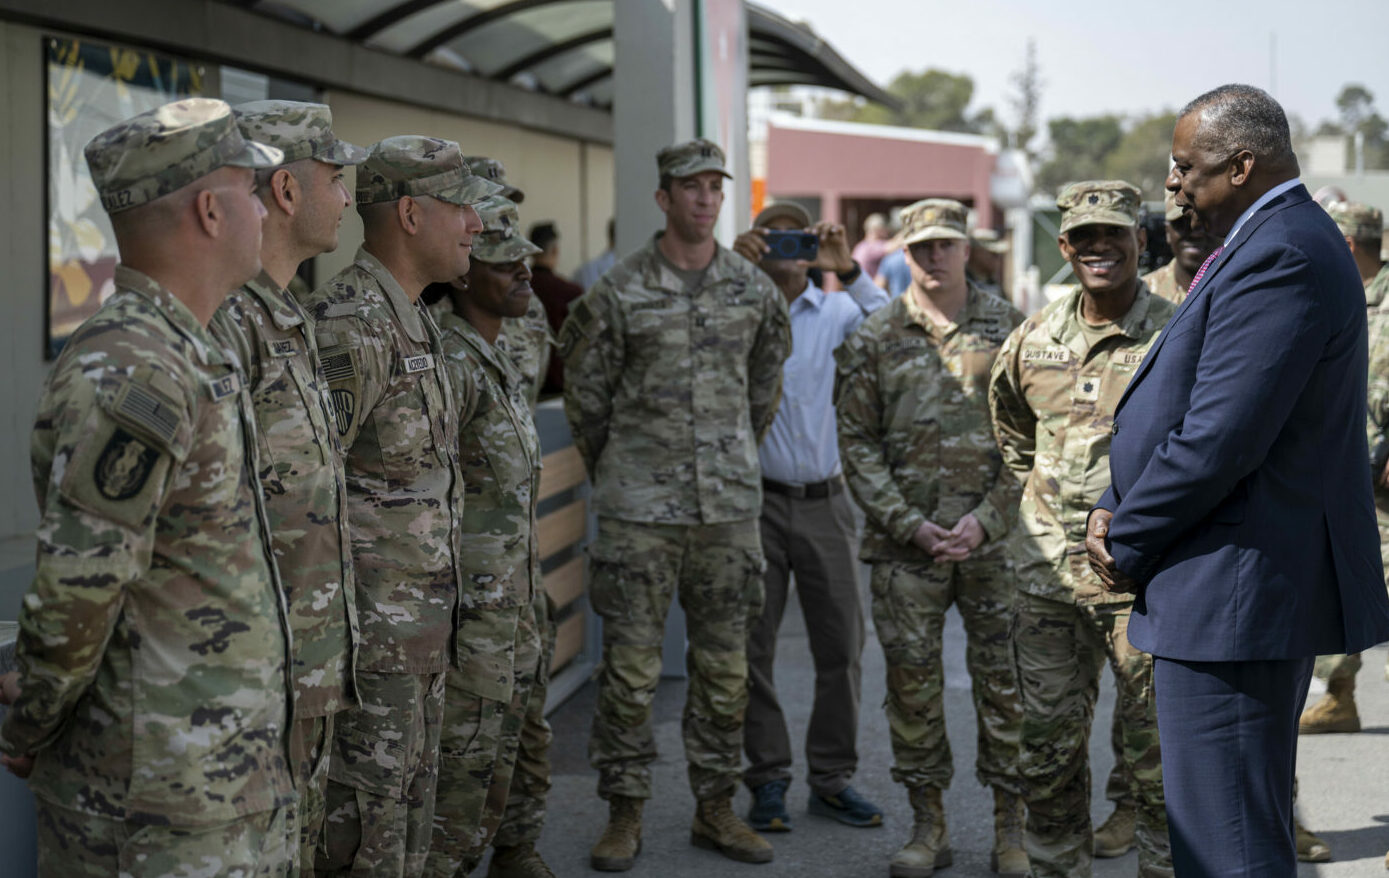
[{"x": 792, "y": 245}]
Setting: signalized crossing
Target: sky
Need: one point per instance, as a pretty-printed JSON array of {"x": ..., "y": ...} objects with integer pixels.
[{"x": 1119, "y": 56}]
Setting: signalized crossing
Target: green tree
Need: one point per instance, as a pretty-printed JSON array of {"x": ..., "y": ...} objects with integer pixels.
[
  {"x": 932, "y": 99},
  {"x": 1026, "y": 100},
  {"x": 1078, "y": 150},
  {"x": 1143, "y": 155}
]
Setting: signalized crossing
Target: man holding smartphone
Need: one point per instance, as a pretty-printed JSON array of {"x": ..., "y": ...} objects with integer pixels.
[{"x": 808, "y": 528}]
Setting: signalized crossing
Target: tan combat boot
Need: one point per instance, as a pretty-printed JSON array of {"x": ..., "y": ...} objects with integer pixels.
[
  {"x": 1114, "y": 838},
  {"x": 1008, "y": 857},
  {"x": 929, "y": 847},
  {"x": 717, "y": 828},
  {"x": 617, "y": 849},
  {"x": 1310, "y": 849},
  {"x": 521, "y": 861},
  {"x": 1335, "y": 712}
]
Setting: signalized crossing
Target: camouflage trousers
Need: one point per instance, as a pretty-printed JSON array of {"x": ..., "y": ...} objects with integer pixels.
[
  {"x": 72, "y": 844},
  {"x": 637, "y": 569},
  {"x": 1060, "y": 650},
  {"x": 909, "y": 605},
  {"x": 381, "y": 778},
  {"x": 310, "y": 743},
  {"x": 478, "y": 745},
  {"x": 524, "y": 817},
  {"x": 1338, "y": 668}
]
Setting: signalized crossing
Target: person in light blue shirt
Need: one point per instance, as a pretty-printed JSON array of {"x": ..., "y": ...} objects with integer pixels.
[
  {"x": 893, "y": 273},
  {"x": 808, "y": 528},
  {"x": 590, "y": 271}
]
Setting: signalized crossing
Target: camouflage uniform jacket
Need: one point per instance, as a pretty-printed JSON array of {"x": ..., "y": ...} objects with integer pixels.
[
  {"x": 1163, "y": 283},
  {"x": 527, "y": 341},
  {"x": 913, "y": 416},
  {"x": 1377, "y": 428},
  {"x": 395, "y": 417},
  {"x": 1052, "y": 396},
  {"x": 301, "y": 476},
  {"x": 668, "y": 394},
  {"x": 499, "y": 453},
  {"x": 153, "y": 643}
]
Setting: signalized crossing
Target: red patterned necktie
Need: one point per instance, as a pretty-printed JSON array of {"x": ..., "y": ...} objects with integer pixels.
[{"x": 1204, "y": 265}]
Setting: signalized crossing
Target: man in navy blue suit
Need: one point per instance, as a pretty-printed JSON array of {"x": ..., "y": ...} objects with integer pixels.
[{"x": 1240, "y": 510}]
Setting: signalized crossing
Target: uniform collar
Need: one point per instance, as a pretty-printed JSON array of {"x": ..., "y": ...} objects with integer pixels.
[
  {"x": 174, "y": 311},
  {"x": 450, "y": 322},
  {"x": 405, "y": 311},
  {"x": 657, "y": 275},
  {"x": 284, "y": 311},
  {"x": 1064, "y": 324},
  {"x": 916, "y": 314}
]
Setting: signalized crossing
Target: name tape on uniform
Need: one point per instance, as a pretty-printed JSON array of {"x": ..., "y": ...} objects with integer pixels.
[
  {"x": 1046, "y": 355},
  {"x": 223, "y": 387},
  {"x": 417, "y": 363}
]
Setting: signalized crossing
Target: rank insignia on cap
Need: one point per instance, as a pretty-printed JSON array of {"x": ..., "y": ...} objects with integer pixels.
[
  {"x": 124, "y": 466},
  {"x": 1094, "y": 199}
]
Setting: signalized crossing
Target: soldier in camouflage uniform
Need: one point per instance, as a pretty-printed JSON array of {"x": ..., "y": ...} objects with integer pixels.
[
  {"x": 1052, "y": 394},
  {"x": 395, "y": 417},
  {"x": 153, "y": 692},
  {"x": 487, "y": 703},
  {"x": 918, "y": 452},
  {"x": 527, "y": 342},
  {"x": 673, "y": 372},
  {"x": 301, "y": 470},
  {"x": 1190, "y": 246},
  {"x": 1363, "y": 228}
]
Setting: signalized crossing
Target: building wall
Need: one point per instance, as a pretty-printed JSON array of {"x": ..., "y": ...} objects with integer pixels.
[
  {"x": 834, "y": 166},
  {"x": 567, "y": 181},
  {"x": 22, "y": 333}
]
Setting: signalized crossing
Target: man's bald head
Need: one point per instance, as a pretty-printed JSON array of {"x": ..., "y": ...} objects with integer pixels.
[{"x": 1241, "y": 117}]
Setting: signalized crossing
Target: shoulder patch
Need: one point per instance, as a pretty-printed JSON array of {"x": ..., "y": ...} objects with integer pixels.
[
  {"x": 344, "y": 407},
  {"x": 338, "y": 364},
  {"x": 150, "y": 409},
  {"x": 123, "y": 467}
]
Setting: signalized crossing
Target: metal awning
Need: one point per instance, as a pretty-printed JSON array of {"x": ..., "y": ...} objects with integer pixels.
[{"x": 557, "y": 47}]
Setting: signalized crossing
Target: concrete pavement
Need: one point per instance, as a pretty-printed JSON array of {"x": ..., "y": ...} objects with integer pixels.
[{"x": 1345, "y": 784}]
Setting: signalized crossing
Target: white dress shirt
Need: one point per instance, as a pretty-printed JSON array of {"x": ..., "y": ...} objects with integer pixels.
[
  {"x": 802, "y": 446},
  {"x": 1253, "y": 208}
]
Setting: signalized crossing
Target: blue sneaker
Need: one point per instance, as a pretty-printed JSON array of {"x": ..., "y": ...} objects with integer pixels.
[
  {"x": 768, "y": 812},
  {"x": 848, "y": 807}
]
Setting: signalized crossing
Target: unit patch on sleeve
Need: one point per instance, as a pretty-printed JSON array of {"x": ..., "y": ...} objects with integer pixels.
[{"x": 123, "y": 466}]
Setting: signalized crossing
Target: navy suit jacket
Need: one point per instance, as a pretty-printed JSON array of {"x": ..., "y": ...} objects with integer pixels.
[{"x": 1239, "y": 481}]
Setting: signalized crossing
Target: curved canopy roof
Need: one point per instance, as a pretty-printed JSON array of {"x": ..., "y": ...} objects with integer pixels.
[{"x": 558, "y": 47}]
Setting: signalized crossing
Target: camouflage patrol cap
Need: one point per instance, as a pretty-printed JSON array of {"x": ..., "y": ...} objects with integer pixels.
[
  {"x": 299, "y": 130},
  {"x": 989, "y": 240},
  {"x": 1099, "y": 202},
  {"x": 164, "y": 149},
  {"x": 690, "y": 158},
  {"x": 933, "y": 219},
  {"x": 493, "y": 170},
  {"x": 501, "y": 239},
  {"x": 414, "y": 165},
  {"x": 1171, "y": 210},
  {"x": 1357, "y": 221},
  {"x": 788, "y": 209}
]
